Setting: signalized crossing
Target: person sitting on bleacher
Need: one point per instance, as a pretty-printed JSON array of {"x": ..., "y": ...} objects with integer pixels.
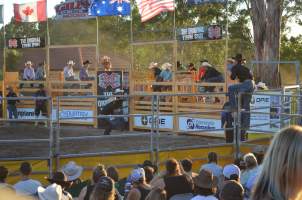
[
  {"x": 40, "y": 72},
  {"x": 29, "y": 72},
  {"x": 68, "y": 71},
  {"x": 84, "y": 76}
]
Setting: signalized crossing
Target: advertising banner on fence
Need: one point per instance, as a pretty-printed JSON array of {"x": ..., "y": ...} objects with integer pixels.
[
  {"x": 164, "y": 122},
  {"x": 65, "y": 115},
  {"x": 272, "y": 106},
  {"x": 188, "y": 124},
  {"x": 199, "y": 2},
  {"x": 23, "y": 43},
  {"x": 108, "y": 82},
  {"x": 213, "y": 32}
]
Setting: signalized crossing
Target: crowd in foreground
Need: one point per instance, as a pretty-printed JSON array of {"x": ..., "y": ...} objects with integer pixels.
[{"x": 276, "y": 177}]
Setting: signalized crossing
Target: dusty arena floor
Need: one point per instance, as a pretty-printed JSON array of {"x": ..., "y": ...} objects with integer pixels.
[{"x": 104, "y": 144}]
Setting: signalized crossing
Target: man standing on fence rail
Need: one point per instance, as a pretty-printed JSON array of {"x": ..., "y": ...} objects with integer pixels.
[{"x": 246, "y": 85}]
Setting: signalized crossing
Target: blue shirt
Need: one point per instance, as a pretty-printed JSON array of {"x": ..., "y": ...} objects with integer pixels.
[
  {"x": 166, "y": 75},
  {"x": 214, "y": 168}
]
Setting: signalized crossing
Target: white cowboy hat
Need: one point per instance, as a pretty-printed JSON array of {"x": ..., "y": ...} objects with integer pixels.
[
  {"x": 206, "y": 64},
  {"x": 28, "y": 62},
  {"x": 72, "y": 171},
  {"x": 70, "y": 62},
  {"x": 166, "y": 66},
  {"x": 52, "y": 192},
  {"x": 153, "y": 65}
]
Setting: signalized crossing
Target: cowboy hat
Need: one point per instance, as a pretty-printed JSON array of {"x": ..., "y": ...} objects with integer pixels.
[
  {"x": 238, "y": 57},
  {"x": 70, "y": 62},
  {"x": 166, "y": 66},
  {"x": 152, "y": 65},
  {"x": 59, "y": 178},
  {"x": 28, "y": 62},
  {"x": 72, "y": 171},
  {"x": 206, "y": 64},
  {"x": 87, "y": 62},
  {"x": 52, "y": 192},
  {"x": 205, "y": 179}
]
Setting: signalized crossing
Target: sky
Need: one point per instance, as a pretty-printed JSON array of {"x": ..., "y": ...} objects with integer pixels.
[{"x": 8, "y": 13}]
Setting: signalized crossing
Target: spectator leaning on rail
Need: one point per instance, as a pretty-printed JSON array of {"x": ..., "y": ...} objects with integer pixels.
[
  {"x": 246, "y": 85},
  {"x": 26, "y": 186},
  {"x": 281, "y": 175}
]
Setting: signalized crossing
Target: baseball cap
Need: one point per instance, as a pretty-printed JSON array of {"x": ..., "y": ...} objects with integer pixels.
[
  {"x": 230, "y": 170},
  {"x": 137, "y": 174},
  {"x": 105, "y": 183}
]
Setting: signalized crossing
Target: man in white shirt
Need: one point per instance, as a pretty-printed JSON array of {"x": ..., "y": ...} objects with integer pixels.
[
  {"x": 212, "y": 165},
  {"x": 29, "y": 72},
  {"x": 68, "y": 71},
  {"x": 26, "y": 186}
]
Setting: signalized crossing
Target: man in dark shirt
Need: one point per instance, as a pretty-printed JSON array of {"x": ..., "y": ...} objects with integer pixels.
[
  {"x": 41, "y": 104},
  {"x": 246, "y": 85},
  {"x": 11, "y": 104}
]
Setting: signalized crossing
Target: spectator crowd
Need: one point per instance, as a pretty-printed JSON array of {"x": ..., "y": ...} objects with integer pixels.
[{"x": 274, "y": 175}]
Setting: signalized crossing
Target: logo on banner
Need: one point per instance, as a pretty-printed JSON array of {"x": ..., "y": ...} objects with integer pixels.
[
  {"x": 106, "y": 80},
  {"x": 144, "y": 120},
  {"x": 190, "y": 124}
]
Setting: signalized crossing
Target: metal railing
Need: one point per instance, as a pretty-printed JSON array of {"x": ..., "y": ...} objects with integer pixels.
[{"x": 55, "y": 137}]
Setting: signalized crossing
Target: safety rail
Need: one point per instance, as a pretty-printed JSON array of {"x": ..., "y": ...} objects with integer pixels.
[{"x": 154, "y": 133}]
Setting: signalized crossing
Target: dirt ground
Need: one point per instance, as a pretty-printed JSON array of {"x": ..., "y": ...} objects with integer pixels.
[{"x": 104, "y": 144}]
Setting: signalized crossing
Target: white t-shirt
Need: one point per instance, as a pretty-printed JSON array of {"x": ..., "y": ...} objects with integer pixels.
[
  {"x": 200, "y": 197},
  {"x": 27, "y": 187},
  {"x": 214, "y": 168}
]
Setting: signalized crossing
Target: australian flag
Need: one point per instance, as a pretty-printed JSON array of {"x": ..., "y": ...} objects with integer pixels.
[{"x": 109, "y": 7}]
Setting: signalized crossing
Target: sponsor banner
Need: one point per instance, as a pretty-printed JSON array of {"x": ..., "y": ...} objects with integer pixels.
[
  {"x": 79, "y": 115},
  {"x": 213, "y": 32},
  {"x": 107, "y": 82},
  {"x": 73, "y": 9},
  {"x": 23, "y": 43},
  {"x": 272, "y": 106},
  {"x": 198, "y": 124},
  {"x": 29, "y": 113},
  {"x": 199, "y": 2},
  {"x": 260, "y": 103},
  {"x": 164, "y": 122}
]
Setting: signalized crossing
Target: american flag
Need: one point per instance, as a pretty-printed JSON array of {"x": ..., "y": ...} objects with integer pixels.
[{"x": 150, "y": 8}]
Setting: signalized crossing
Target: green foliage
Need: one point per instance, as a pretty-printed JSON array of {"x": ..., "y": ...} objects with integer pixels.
[{"x": 12, "y": 58}]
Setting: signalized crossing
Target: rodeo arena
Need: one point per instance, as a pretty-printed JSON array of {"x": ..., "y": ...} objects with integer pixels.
[{"x": 99, "y": 104}]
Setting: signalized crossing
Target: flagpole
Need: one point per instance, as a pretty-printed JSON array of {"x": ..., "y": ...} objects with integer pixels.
[{"x": 4, "y": 70}]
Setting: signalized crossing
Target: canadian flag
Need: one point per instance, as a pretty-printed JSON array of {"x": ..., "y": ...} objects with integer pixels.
[{"x": 30, "y": 12}]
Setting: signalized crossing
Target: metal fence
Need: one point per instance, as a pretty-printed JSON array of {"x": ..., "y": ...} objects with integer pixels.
[{"x": 55, "y": 137}]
